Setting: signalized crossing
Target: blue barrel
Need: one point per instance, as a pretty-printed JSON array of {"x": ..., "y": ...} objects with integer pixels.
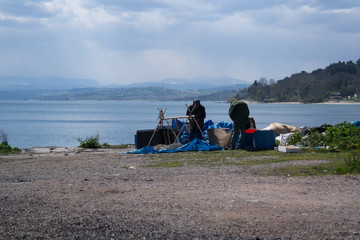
[
  {"x": 249, "y": 138},
  {"x": 264, "y": 140}
]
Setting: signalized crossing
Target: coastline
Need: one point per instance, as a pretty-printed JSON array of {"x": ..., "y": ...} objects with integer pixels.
[
  {"x": 327, "y": 103},
  {"x": 340, "y": 103}
]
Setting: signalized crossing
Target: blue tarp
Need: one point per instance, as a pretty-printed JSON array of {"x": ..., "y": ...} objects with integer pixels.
[
  {"x": 195, "y": 145},
  {"x": 184, "y": 136},
  {"x": 221, "y": 124},
  {"x": 210, "y": 125},
  {"x": 356, "y": 123}
]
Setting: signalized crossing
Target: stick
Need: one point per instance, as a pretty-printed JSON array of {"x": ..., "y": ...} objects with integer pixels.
[{"x": 160, "y": 117}]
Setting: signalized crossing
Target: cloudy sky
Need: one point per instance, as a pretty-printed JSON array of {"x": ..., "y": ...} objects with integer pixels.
[{"x": 124, "y": 41}]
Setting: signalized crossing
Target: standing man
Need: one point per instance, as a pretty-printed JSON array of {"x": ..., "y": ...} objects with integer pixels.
[
  {"x": 239, "y": 113},
  {"x": 197, "y": 122}
]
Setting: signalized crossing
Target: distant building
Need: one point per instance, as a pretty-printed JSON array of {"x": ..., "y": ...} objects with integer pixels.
[{"x": 336, "y": 96}]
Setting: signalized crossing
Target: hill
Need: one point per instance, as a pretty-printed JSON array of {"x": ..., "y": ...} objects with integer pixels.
[
  {"x": 337, "y": 81},
  {"x": 131, "y": 93},
  {"x": 23, "y": 88},
  {"x": 137, "y": 93},
  {"x": 204, "y": 83},
  {"x": 18, "y": 83},
  {"x": 59, "y": 88}
]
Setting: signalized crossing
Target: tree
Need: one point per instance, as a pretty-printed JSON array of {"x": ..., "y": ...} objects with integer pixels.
[
  {"x": 343, "y": 77},
  {"x": 3, "y": 137},
  {"x": 263, "y": 81}
]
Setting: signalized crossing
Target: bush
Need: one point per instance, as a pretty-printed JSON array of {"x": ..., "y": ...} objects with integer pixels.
[
  {"x": 313, "y": 139},
  {"x": 343, "y": 136},
  {"x": 340, "y": 137},
  {"x": 295, "y": 138},
  {"x": 352, "y": 162},
  {"x": 5, "y": 148},
  {"x": 90, "y": 142}
]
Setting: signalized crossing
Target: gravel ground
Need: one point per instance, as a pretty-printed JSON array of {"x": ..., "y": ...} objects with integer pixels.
[{"x": 62, "y": 193}]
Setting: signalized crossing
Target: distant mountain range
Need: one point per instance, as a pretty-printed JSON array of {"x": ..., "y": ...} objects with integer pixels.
[
  {"x": 338, "y": 81},
  {"x": 204, "y": 83},
  {"x": 16, "y": 83},
  {"x": 60, "y": 88}
]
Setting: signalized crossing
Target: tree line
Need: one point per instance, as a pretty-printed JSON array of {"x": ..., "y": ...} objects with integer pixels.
[{"x": 341, "y": 79}]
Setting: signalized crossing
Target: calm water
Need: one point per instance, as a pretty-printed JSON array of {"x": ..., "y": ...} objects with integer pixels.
[{"x": 59, "y": 123}]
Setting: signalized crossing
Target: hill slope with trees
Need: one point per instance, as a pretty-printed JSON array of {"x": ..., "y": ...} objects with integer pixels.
[
  {"x": 337, "y": 81},
  {"x": 146, "y": 93}
]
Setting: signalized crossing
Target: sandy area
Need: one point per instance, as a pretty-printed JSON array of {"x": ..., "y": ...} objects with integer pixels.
[{"x": 66, "y": 193}]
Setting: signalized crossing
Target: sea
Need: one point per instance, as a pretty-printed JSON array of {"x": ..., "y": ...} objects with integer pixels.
[{"x": 59, "y": 123}]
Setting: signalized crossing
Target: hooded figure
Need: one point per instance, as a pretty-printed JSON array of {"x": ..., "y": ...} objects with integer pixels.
[
  {"x": 239, "y": 113},
  {"x": 196, "y": 123}
]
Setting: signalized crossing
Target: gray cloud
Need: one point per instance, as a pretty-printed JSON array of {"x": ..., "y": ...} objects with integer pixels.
[{"x": 137, "y": 40}]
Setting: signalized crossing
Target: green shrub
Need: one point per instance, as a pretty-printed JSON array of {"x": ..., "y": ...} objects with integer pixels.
[
  {"x": 352, "y": 162},
  {"x": 90, "y": 142},
  {"x": 295, "y": 138},
  {"x": 314, "y": 139},
  {"x": 340, "y": 137},
  {"x": 5, "y": 148},
  {"x": 16, "y": 149},
  {"x": 343, "y": 136}
]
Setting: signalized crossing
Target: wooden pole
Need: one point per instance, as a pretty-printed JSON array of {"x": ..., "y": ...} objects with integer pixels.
[{"x": 160, "y": 117}]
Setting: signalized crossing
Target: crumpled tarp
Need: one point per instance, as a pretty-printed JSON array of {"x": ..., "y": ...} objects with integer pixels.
[
  {"x": 195, "y": 145},
  {"x": 221, "y": 124}
]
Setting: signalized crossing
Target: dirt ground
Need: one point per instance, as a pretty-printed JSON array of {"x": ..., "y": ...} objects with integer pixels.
[{"x": 62, "y": 193}]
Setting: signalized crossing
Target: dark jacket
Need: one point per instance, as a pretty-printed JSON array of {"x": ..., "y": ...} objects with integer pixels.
[
  {"x": 239, "y": 113},
  {"x": 198, "y": 111}
]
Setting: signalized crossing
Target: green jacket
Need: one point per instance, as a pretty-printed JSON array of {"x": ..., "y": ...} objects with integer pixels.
[{"x": 239, "y": 113}]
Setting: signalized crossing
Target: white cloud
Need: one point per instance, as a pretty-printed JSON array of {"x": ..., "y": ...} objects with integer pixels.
[
  {"x": 4, "y": 16},
  {"x": 78, "y": 12},
  {"x": 194, "y": 5},
  {"x": 149, "y": 20}
]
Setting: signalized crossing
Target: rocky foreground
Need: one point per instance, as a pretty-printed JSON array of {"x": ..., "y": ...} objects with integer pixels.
[{"x": 102, "y": 194}]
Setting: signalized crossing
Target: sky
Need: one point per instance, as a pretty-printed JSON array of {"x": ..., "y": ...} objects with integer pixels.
[{"x": 127, "y": 41}]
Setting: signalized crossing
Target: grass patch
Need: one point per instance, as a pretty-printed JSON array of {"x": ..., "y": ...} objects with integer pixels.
[
  {"x": 337, "y": 161},
  {"x": 340, "y": 163}
]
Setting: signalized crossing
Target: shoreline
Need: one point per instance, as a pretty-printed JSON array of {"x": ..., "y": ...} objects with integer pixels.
[{"x": 324, "y": 103}]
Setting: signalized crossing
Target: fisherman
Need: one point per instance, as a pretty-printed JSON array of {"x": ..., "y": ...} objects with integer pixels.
[
  {"x": 239, "y": 113},
  {"x": 197, "y": 122}
]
